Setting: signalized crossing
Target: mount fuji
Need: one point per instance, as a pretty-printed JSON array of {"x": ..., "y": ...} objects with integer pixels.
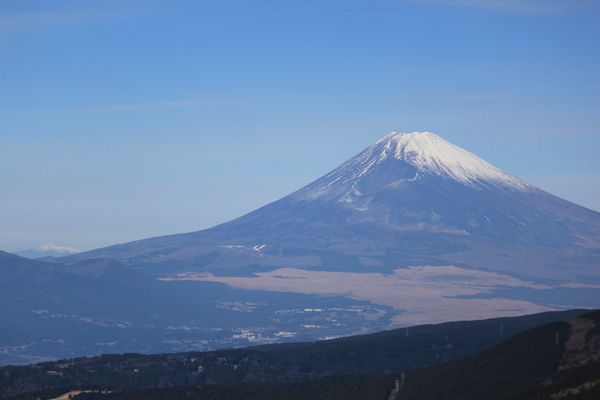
[
  {"x": 413, "y": 230},
  {"x": 409, "y": 199}
]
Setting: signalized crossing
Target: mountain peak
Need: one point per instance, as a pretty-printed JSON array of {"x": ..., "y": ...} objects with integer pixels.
[
  {"x": 431, "y": 154},
  {"x": 400, "y": 136},
  {"x": 408, "y": 157},
  {"x": 407, "y": 199}
]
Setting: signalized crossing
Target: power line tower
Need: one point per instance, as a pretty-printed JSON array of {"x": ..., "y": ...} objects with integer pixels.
[{"x": 398, "y": 383}]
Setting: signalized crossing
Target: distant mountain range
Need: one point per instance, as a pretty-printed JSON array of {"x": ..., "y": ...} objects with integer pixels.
[
  {"x": 412, "y": 230},
  {"x": 47, "y": 250},
  {"x": 543, "y": 356}
]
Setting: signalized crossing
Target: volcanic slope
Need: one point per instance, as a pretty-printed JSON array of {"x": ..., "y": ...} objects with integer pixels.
[{"x": 408, "y": 199}]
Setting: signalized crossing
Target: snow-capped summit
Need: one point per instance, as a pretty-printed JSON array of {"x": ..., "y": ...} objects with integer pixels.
[
  {"x": 408, "y": 157},
  {"x": 47, "y": 250},
  {"x": 431, "y": 154}
]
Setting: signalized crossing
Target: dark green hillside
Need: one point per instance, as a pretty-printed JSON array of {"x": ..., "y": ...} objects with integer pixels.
[
  {"x": 534, "y": 365},
  {"x": 511, "y": 367},
  {"x": 382, "y": 353},
  {"x": 331, "y": 388}
]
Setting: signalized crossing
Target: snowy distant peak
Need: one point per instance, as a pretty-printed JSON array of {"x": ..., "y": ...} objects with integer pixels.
[
  {"x": 47, "y": 250},
  {"x": 431, "y": 154}
]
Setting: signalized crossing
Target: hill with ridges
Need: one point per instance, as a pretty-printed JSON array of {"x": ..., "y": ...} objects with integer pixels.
[
  {"x": 532, "y": 365},
  {"x": 380, "y": 353}
]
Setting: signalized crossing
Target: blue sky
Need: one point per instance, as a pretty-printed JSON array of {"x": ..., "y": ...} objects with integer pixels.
[{"x": 127, "y": 119}]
